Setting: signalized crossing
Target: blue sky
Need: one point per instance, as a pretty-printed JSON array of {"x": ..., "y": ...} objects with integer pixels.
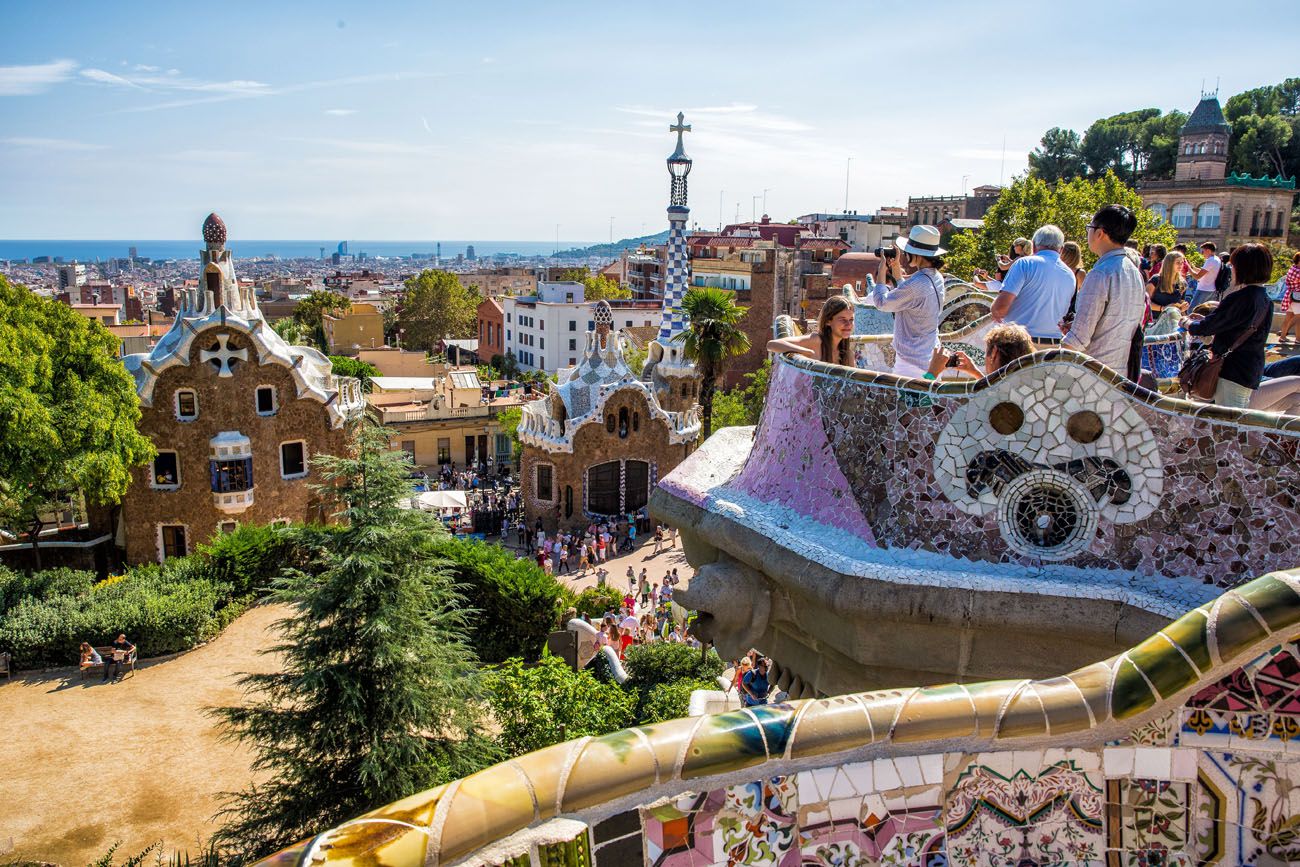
[{"x": 423, "y": 120}]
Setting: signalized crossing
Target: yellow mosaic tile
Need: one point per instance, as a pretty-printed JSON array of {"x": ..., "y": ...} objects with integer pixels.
[
  {"x": 608, "y": 767},
  {"x": 1023, "y": 717},
  {"x": 1163, "y": 665},
  {"x": 1274, "y": 600},
  {"x": 1094, "y": 683},
  {"x": 830, "y": 725},
  {"x": 988, "y": 698},
  {"x": 1065, "y": 708},
  {"x": 936, "y": 713},
  {"x": 1191, "y": 633},
  {"x": 490, "y": 804},
  {"x": 544, "y": 769},
  {"x": 1235, "y": 627}
]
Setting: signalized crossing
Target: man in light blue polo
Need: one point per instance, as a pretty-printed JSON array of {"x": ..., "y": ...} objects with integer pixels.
[{"x": 1037, "y": 290}]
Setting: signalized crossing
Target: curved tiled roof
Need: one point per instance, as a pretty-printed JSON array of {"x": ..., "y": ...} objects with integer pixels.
[{"x": 591, "y": 778}]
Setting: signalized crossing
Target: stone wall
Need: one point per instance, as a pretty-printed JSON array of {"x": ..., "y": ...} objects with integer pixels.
[{"x": 224, "y": 404}]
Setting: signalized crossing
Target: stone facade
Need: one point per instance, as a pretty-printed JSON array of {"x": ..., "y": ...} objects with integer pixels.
[
  {"x": 597, "y": 445},
  {"x": 647, "y": 442},
  {"x": 236, "y": 415},
  {"x": 1204, "y": 202},
  {"x": 224, "y": 404},
  {"x": 933, "y": 210}
]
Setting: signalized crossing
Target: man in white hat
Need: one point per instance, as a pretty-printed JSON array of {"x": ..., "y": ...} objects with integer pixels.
[{"x": 917, "y": 299}]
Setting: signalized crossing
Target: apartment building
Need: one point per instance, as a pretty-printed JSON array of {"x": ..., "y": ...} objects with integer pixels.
[{"x": 546, "y": 331}]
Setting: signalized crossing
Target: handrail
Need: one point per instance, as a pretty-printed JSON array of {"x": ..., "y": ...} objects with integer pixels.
[
  {"x": 951, "y": 388},
  {"x": 592, "y": 778}
]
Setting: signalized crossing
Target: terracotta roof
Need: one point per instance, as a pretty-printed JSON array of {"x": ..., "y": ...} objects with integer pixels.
[
  {"x": 641, "y": 335},
  {"x": 822, "y": 244},
  {"x": 853, "y": 268}
]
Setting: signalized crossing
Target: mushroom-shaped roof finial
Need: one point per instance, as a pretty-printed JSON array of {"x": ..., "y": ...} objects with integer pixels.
[{"x": 214, "y": 230}]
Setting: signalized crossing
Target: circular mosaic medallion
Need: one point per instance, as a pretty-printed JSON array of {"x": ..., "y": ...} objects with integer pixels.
[{"x": 1046, "y": 514}]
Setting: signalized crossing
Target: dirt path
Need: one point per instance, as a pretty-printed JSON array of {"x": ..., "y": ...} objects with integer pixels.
[{"x": 86, "y": 763}]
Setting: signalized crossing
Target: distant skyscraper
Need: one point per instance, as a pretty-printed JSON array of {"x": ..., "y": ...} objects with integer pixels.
[
  {"x": 469, "y": 252},
  {"x": 322, "y": 252},
  {"x": 72, "y": 276},
  {"x": 437, "y": 256},
  {"x": 130, "y": 253},
  {"x": 343, "y": 248}
]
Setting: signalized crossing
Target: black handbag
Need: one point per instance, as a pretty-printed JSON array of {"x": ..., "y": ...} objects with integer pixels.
[{"x": 1199, "y": 375}]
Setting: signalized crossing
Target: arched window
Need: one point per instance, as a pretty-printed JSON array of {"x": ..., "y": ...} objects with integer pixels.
[
  {"x": 622, "y": 423},
  {"x": 1218, "y": 147},
  {"x": 636, "y": 485},
  {"x": 1181, "y": 216},
  {"x": 568, "y": 501},
  {"x": 636, "y": 421},
  {"x": 1207, "y": 215},
  {"x": 1161, "y": 211},
  {"x": 1187, "y": 148},
  {"x": 1254, "y": 222},
  {"x": 686, "y": 390},
  {"x": 609, "y": 423},
  {"x": 604, "y": 488}
]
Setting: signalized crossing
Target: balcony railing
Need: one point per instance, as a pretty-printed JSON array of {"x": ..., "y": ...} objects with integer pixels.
[{"x": 431, "y": 412}]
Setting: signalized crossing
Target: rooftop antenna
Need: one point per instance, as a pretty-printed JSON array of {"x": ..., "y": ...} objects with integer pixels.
[
  {"x": 848, "y": 165},
  {"x": 1216, "y": 87}
]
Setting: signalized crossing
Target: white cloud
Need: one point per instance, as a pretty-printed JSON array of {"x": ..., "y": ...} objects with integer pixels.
[
  {"x": 340, "y": 112},
  {"x": 22, "y": 80},
  {"x": 103, "y": 77},
  {"x": 51, "y": 144},
  {"x": 144, "y": 67}
]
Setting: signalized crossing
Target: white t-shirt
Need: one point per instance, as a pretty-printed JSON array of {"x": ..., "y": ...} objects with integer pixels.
[{"x": 1211, "y": 266}]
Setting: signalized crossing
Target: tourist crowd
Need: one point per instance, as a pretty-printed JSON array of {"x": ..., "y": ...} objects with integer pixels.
[
  {"x": 576, "y": 551},
  {"x": 1044, "y": 297}
]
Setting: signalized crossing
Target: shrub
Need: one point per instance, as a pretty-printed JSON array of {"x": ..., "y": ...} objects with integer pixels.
[
  {"x": 161, "y": 609},
  {"x": 649, "y": 665},
  {"x": 548, "y": 703},
  {"x": 249, "y": 558},
  {"x": 517, "y": 604},
  {"x": 15, "y": 586},
  {"x": 670, "y": 700},
  {"x": 595, "y": 601}
]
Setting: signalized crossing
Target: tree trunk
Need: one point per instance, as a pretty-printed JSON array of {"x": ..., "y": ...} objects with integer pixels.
[{"x": 708, "y": 387}]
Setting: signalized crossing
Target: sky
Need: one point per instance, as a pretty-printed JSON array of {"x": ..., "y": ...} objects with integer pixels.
[{"x": 514, "y": 121}]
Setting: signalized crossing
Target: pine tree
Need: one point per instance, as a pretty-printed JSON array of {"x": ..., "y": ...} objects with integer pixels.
[{"x": 378, "y": 696}]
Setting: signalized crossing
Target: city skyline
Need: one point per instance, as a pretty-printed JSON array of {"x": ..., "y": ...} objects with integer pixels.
[{"x": 413, "y": 121}]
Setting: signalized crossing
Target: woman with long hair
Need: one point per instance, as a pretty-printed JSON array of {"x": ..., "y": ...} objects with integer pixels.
[
  {"x": 1168, "y": 287},
  {"x": 831, "y": 341}
]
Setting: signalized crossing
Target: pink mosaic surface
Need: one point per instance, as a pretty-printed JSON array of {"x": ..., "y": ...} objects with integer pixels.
[{"x": 798, "y": 467}]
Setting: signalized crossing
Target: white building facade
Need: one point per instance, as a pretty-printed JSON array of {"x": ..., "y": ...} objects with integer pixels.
[{"x": 547, "y": 331}]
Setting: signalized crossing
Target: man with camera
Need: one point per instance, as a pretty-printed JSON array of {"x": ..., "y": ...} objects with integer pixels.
[{"x": 915, "y": 297}]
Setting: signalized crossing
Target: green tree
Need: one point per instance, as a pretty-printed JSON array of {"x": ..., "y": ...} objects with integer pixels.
[
  {"x": 68, "y": 411},
  {"x": 311, "y": 311},
  {"x": 290, "y": 330},
  {"x": 1029, "y": 203},
  {"x": 1158, "y": 143},
  {"x": 509, "y": 420},
  {"x": 596, "y": 287},
  {"x": 1260, "y": 144},
  {"x": 1057, "y": 156},
  {"x": 712, "y": 338},
  {"x": 362, "y": 370},
  {"x": 434, "y": 306},
  {"x": 743, "y": 405},
  {"x": 549, "y": 703},
  {"x": 1115, "y": 143},
  {"x": 378, "y": 692}
]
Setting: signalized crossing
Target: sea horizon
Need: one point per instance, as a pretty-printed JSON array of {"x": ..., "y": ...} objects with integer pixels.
[{"x": 188, "y": 248}]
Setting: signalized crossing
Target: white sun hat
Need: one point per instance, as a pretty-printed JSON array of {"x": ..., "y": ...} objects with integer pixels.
[{"x": 921, "y": 241}]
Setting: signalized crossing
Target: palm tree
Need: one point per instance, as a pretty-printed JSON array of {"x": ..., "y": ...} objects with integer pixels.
[{"x": 711, "y": 339}]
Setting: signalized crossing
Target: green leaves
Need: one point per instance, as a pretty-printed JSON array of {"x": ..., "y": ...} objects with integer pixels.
[
  {"x": 435, "y": 306},
  {"x": 712, "y": 337},
  {"x": 68, "y": 409},
  {"x": 548, "y": 703}
]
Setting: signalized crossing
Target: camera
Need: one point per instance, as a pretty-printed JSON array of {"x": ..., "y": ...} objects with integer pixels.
[{"x": 885, "y": 252}]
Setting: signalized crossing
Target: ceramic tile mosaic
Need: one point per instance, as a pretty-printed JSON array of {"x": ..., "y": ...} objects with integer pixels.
[{"x": 1137, "y": 482}]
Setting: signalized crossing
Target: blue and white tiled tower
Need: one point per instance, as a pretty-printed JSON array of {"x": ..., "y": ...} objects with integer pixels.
[{"x": 678, "y": 277}]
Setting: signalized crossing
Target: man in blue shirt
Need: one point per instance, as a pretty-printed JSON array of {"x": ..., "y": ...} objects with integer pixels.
[
  {"x": 754, "y": 685},
  {"x": 1037, "y": 290}
]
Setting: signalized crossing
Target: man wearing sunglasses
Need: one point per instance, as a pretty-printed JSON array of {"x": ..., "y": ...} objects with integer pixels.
[{"x": 1111, "y": 301}]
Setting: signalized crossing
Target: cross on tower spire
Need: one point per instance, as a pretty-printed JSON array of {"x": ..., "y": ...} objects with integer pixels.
[{"x": 680, "y": 128}]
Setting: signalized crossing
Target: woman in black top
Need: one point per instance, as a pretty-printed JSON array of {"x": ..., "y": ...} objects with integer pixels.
[{"x": 1245, "y": 310}]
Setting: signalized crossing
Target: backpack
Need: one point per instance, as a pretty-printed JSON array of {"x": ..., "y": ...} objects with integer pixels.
[{"x": 1223, "y": 279}]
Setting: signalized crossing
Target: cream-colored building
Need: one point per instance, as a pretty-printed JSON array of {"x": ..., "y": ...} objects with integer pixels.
[
  {"x": 391, "y": 361},
  {"x": 362, "y": 327},
  {"x": 443, "y": 419}
]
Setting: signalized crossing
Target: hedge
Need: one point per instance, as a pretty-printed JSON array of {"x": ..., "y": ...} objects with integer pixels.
[
  {"x": 516, "y": 604},
  {"x": 595, "y": 601},
  {"x": 162, "y": 609}
]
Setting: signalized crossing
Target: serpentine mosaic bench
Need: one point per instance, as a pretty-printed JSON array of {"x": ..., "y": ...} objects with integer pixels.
[{"x": 1181, "y": 750}]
